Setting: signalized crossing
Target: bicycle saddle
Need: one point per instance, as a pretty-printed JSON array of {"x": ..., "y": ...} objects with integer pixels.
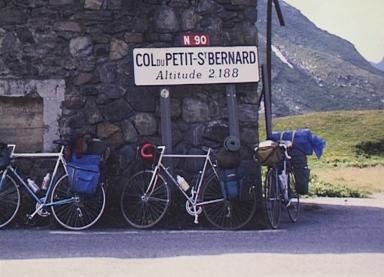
[{"x": 61, "y": 142}]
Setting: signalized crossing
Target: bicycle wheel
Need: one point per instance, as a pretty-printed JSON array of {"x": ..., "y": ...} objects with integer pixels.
[
  {"x": 9, "y": 200},
  {"x": 226, "y": 214},
  {"x": 76, "y": 211},
  {"x": 143, "y": 206},
  {"x": 272, "y": 199},
  {"x": 294, "y": 199}
]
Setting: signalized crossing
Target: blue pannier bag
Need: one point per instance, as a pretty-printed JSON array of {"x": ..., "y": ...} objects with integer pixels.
[
  {"x": 230, "y": 183},
  {"x": 84, "y": 173}
]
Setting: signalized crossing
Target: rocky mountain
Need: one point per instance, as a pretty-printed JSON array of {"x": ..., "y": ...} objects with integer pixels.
[
  {"x": 379, "y": 65},
  {"x": 313, "y": 70}
]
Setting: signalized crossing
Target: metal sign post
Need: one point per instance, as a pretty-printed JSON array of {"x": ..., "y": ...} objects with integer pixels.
[
  {"x": 165, "y": 114},
  {"x": 269, "y": 34},
  {"x": 233, "y": 115},
  {"x": 267, "y": 101}
]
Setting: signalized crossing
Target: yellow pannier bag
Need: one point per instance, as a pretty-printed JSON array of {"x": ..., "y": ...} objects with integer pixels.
[{"x": 269, "y": 153}]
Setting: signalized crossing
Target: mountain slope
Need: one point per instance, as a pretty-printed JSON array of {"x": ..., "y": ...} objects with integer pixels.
[
  {"x": 313, "y": 70},
  {"x": 379, "y": 65}
]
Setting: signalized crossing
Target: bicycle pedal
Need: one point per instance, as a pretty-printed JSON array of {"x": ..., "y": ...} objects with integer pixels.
[
  {"x": 29, "y": 220},
  {"x": 196, "y": 221},
  {"x": 79, "y": 212}
]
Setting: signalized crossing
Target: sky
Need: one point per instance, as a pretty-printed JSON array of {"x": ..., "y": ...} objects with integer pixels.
[{"x": 358, "y": 21}]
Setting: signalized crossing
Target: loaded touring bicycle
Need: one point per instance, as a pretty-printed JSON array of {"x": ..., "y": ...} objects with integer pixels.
[{"x": 73, "y": 192}]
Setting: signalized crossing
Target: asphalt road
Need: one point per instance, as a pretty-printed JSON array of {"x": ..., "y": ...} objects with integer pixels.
[{"x": 333, "y": 237}]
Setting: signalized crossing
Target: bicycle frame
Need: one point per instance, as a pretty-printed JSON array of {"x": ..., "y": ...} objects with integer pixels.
[
  {"x": 193, "y": 199},
  {"x": 42, "y": 202}
]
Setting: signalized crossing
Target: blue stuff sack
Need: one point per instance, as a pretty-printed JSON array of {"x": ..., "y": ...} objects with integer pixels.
[
  {"x": 230, "y": 183},
  {"x": 303, "y": 140},
  {"x": 84, "y": 173}
]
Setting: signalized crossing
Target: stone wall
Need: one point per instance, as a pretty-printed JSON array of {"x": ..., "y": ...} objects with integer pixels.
[{"x": 88, "y": 44}]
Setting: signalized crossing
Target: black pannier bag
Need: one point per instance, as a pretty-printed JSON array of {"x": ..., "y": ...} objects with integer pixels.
[
  {"x": 5, "y": 158},
  {"x": 245, "y": 193},
  {"x": 235, "y": 184},
  {"x": 230, "y": 183},
  {"x": 300, "y": 170},
  {"x": 228, "y": 159}
]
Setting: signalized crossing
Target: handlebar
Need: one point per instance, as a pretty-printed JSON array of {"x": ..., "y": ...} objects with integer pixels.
[
  {"x": 285, "y": 144},
  {"x": 161, "y": 149},
  {"x": 14, "y": 155},
  {"x": 12, "y": 146}
]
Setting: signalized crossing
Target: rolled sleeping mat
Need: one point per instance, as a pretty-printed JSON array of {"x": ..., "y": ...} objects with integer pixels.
[{"x": 232, "y": 143}]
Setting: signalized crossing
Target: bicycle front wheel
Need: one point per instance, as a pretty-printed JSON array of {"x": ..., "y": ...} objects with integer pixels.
[
  {"x": 9, "y": 200},
  {"x": 272, "y": 198},
  {"x": 143, "y": 204},
  {"x": 76, "y": 211},
  {"x": 294, "y": 199},
  {"x": 223, "y": 213}
]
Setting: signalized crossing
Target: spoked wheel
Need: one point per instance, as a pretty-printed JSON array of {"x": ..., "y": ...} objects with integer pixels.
[
  {"x": 9, "y": 200},
  {"x": 144, "y": 204},
  {"x": 272, "y": 199},
  {"x": 294, "y": 199},
  {"x": 226, "y": 214},
  {"x": 76, "y": 211}
]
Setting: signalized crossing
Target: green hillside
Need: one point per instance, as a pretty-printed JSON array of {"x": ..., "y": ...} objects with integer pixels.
[
  {"x": 354, "y": 138},
  {"x": 353, "y": 161}
]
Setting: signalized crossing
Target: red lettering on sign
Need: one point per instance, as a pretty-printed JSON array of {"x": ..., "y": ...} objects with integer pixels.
[{"x": 196, "y": 40}]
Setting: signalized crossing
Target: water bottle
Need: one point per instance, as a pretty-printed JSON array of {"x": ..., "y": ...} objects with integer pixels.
[
  {"x": 33, "y": 186},
  {"x": 182, "y": 182},
  {"x": 45, "y": 183},
  {"x": 284, "y": 184}
]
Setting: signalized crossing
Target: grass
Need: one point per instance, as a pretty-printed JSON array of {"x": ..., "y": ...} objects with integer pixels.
[
  {"x": 367, "y": 179},
  {"x": 354, "y": 156}
]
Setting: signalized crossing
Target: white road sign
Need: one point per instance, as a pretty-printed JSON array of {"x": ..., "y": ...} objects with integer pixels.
[{"x": 197, "y": 65}]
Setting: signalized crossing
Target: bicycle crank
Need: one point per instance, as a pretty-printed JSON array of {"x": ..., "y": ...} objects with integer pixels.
[
  {"x": 191, "y": 210},
  {"x": 41, "y": 211}
]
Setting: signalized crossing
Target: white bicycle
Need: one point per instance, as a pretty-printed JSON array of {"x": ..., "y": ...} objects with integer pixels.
[{"x": 146, "y": 196}]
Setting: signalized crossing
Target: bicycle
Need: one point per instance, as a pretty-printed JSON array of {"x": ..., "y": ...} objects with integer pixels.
[
  {"x": 280, "y": 185},
  {"x": 72, "y": 210},
  {"x": 146, "y": 196}
]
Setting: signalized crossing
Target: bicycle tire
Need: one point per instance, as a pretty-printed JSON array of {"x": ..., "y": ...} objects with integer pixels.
[
  {"x": 80, "y": 214},
  {"x": 140, "y": 210},
  {"x": 226, "y": 214},
  {"x": 294, "y": 207},
  {"x": 272, "y": 199},
  {"x": 9, "y": 200}
]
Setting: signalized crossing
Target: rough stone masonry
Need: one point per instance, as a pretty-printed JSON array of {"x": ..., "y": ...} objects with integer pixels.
[{"x": 83, "y": 50}]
